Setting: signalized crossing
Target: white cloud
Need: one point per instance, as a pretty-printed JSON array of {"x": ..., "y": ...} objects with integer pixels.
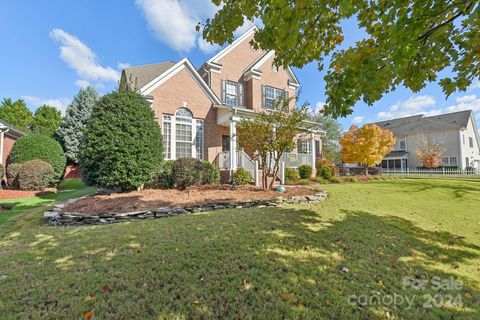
[
  {"x": 358, "y": 119},
  {"x": 78, "y": 56},
  {"x": 122, "y": 66},
  {"x": 35, "y": 102},
  {"x": 466, "y": 99},
  {"x": 471, "y": 102},
  {"x": 318, "y": 107},
  {"x": 414, "y": 105},
  {"x": 82, "y": 83},
  {"x": 475, "y": 85},
  {"x": 173, "y": 22}
]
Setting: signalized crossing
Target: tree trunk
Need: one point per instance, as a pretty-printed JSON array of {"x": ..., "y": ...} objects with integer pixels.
[{"x": 366, "y": 170}]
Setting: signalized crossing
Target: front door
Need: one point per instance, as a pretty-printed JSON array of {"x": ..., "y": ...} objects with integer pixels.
[{"x": 225, "y": 143}]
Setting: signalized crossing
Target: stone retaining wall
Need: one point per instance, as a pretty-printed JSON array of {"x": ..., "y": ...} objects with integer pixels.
[{"x": 57, "y": 217}]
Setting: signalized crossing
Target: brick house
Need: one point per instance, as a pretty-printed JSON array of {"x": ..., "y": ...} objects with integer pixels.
[
  {"x": 198, "y": 109},
  {"x": 8, "y": 135}
]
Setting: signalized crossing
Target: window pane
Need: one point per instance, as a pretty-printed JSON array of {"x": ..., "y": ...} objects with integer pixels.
[
  {"x": 445, "y": 161},
  {"x": 199, "y": 144},
  {"x": 167, "y": 136},
  {"x": 269, "y": 93},
  {"x": 453, "y": 161},
  {"x": 231, "y": 94}
]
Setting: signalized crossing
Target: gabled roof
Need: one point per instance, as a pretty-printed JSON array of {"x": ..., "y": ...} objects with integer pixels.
[
  {"x": 140, "y": 76},
  {"x": 232, "y": 45},
  {"x": 420, "y": 124},
  {"x": 173, "y": 70},
  {"x": 256, "y": 65}
]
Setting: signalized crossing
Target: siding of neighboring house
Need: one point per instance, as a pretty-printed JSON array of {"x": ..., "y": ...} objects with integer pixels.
[
  {"x": 467, "y": 150},
  {"x": 449, "y": 137}
]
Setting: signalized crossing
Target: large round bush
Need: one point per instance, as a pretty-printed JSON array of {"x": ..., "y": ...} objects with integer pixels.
[
  {"x": 12, "y": 174},
  {"x": 39, "y": 147},
  {"x": 164, "y": 179},
  {"x": 35, "y": 175},
  {"x": 186, "y": 172},
  {"x": 122, "y": 143}
]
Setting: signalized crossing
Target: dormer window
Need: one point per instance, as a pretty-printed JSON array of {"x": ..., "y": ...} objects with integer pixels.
[{"x": 232, "y": 93}]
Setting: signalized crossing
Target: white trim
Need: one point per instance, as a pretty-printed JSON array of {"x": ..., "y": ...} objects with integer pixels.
[
  {"x": 232, "y": 45},
  {"x": 182, "y": 64},
  {"x": 256, "y": 68}
]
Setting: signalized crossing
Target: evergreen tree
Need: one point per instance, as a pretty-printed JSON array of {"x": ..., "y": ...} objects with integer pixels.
[
  {"x": 122, "y": 146},
  {"x": 16, "y": 113},
  {"x": 333, "y": 133},
  {"x": 46, "y": 120},
  {"x": 76, "y": 117}
]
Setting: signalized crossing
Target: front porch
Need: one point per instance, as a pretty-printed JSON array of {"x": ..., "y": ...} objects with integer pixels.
[{"x": 232, "y": 157}]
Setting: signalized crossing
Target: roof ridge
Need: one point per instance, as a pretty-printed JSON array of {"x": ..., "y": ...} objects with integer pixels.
[{"x": 150, "y": 64}]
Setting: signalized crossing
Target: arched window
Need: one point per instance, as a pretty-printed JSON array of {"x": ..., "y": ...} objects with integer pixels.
[{"x": 186, "y": 138}]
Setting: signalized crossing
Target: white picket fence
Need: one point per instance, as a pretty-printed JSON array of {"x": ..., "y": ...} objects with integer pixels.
[{"x": 440, "y": 173}]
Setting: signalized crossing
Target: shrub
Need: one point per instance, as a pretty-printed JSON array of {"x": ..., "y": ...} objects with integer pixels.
[
  {"x": 164, "y": 179},
  {"x": 321, "y": 180},
  {"x": 39, "y": 147},
  {"x": 351, "y": 179},
  {"x": 35, "y": 175},
  {"x": 326, "y": 172},
  {"x": 305, "y": 171},
  {"x": 291, "y": 175},
  {"x": 186, "y": 172},
  {"x": 242, "y": 176},
  {"x": 335, "y": 180},
  {"x": 12, "y": 174},
  {"x": 122, "y": 144},
  {"x": 303, "y": 182},
  {"x": 210, "y": 173}
]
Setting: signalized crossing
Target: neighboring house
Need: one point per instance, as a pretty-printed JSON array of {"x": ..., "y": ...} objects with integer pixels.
[
  {"x": 457, "y": 132},
  {"x": 198, "y": 110},
  {"x": 8, "y": 135}
]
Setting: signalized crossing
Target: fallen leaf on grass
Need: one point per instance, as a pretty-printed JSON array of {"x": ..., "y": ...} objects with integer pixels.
[
  {"x": 106, "y": 289},
  {"x": 88, "y": 314}
]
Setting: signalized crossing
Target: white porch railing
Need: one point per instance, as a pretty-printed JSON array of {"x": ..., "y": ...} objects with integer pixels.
[
  {"x": 295, "y": 160},
  {"x": 243, "y": 161},
  {"x": 440, "y": 173}
]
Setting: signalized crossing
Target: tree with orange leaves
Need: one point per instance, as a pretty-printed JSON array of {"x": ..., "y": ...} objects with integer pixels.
[
  {"x": 430, "y": 152},
  {"x": 367, "y": 145}
]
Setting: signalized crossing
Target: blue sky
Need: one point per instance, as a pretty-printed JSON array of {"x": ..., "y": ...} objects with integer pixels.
[{"x": 52, "y": 48}]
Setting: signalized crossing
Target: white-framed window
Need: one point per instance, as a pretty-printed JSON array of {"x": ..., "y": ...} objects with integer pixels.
[
  {"x": 167, "y": 136},
  {"x": 453, "y": 161},
  {"x": 444, "y": 161},
  {"x": 183, "y": 135},
  {"x": 403, "y": 145},
  {"x": 470, "y": 142},
  {"x": 304, "y": 146},
  {"x": 270, "y": 94},
  {"x": 232, "y": 93}
]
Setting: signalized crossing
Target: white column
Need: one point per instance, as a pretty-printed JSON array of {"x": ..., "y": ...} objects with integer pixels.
[
  {"x": 233, "y": 145},
  {"x": 256, "y": 175},
  {"x": 2, "y": 137},
  {"x": 313, "y": 153}
]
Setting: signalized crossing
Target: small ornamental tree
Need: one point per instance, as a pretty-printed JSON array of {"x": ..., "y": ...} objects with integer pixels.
[
  {"x": 46, "y": 120},
  {"x": 39, "y": 147},
  {"x": 122, "y": 145},
  {"x": 430, "y": 152},
  {"x": 367, "y": 145},
  {"x": 269, "y": 135},
  {"x": 16, "y": 113},
  {"x": 76, "y": 117}
]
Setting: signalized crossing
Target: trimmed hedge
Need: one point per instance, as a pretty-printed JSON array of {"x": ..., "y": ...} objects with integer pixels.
[
  {"x": 305, "y": 171},
  {"x": 39, "y": 147},
  {"x": 210, "y": 173},
  {"x": 186, "y": 172},
  {"x": 291, "y": 175},
  {"x": 242, "y": 176},
  {"x": 122, "y": 145},
  {"x": 35, "y": 175}
]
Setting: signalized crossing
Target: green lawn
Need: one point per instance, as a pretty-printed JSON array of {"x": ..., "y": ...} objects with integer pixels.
[{"x": 297, "y": 262}]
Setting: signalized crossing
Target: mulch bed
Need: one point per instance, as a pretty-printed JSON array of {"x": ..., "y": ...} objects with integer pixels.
[
  {"x": 17, "y": 194},
  {"x": 154, "y": 198}
]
